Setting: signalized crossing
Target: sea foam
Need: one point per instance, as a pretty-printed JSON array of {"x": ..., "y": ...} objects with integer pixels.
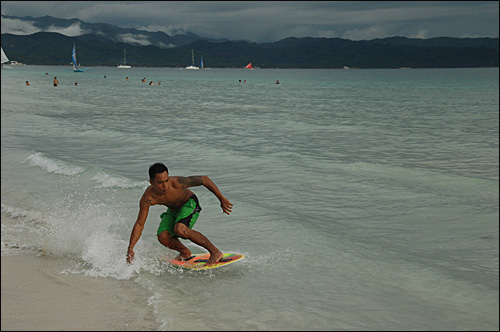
[{"x": 53, "y": 166}]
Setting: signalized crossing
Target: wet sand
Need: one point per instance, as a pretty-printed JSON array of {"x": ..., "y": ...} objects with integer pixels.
[{"x": 37, "y": 297}]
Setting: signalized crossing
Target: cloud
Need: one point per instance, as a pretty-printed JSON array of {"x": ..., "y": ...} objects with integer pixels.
[
  {"x": 71, "y": 31},
  {"x": 18, "y": 27},
  {"x": 168, "y": 29},
  {"x": 421, "y": 34},
  {"x": 327, "y": 34},
  {"x": 137, "y": 39},
  {"x": 163, "y": 45},
  {"x": 369, "y": 33},
  {"x": 266, "y": 21}
]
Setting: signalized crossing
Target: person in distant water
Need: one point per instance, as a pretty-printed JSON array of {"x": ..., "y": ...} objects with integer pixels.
[
  {"x": 159, "y": 82},
  {"x": 46, "y": 74},
  {"x": 126, "y": 78},
  {"x": 28, "y": 83},
  {"x": 76, "y": 83},
  {"x": 144, "y": 79},
  {"x": 277, "y": 82},
  {"x": 56, "y": 81},
  {"x": 181, "y": 215},
  {"x": 151, "y": 83}
]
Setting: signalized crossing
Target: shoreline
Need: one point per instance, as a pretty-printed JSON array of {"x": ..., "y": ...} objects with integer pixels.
[{"x": 37, "y": 297}]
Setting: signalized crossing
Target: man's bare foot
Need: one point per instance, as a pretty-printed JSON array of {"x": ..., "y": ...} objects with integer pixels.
[
  {"x": 181, "y": 257},
  {"x": 215, "y": 257}
]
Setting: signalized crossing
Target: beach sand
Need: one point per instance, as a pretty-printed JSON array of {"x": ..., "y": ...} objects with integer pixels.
[{"x": 36, "y": 296}]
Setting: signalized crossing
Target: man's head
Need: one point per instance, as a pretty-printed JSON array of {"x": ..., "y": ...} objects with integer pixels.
[{"x": 156, "y": 169}]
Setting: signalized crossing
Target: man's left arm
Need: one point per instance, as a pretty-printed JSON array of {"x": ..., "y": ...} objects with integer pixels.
[{"x": 192, "y": 181}]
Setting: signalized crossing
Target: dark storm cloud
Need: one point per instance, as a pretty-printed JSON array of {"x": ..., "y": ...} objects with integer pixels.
[{"x": 271, "y": 21}]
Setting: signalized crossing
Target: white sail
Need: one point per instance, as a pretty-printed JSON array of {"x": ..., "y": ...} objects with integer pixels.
[
  {"x": 192, "y": 59},
  {"x": 4, "y": 57},
  {"x": 124, "y": 61}
]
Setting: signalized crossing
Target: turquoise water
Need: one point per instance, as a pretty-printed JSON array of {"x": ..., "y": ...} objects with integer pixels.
[{"x": 363, "y": 199}]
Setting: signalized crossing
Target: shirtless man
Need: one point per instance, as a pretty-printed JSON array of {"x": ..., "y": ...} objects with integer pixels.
[{"x": 181, "y": 215}]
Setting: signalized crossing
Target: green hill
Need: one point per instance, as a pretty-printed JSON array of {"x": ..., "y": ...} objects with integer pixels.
[{"x": 46, "y": 48}]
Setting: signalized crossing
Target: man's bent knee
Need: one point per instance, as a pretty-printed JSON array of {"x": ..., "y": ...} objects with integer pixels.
[
  {"x": 165, "y": 238},
  {"x": 181, "y": 230}
]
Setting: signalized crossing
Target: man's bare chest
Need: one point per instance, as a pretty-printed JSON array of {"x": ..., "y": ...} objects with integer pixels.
[{"x": 172, "y": 199}]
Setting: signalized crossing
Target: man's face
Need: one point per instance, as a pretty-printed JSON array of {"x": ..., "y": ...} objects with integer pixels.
[{"x": 160, "y": 183}]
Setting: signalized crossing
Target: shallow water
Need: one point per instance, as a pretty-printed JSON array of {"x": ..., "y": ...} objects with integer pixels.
[{"x": 363, "y": 199}]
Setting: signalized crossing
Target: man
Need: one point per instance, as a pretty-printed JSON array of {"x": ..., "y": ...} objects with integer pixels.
[{"x": 181, "y": 215}]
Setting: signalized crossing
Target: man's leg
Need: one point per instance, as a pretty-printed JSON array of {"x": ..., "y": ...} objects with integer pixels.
[
  {"x": 200, "y": 239},
  {"x": 171, "y": 242}
]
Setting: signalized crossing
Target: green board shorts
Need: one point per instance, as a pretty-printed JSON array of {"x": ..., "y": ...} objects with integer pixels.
[{"x": 187, "y": 214}]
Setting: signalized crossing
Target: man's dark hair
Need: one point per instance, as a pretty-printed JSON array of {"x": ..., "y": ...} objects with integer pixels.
[{"x": 155, "y": 169}]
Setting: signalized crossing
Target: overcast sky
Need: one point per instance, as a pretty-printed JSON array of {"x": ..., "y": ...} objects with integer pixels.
[{"x": 268, "y": 21}]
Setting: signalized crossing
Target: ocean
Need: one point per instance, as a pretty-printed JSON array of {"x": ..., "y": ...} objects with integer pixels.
[{"x": 363, "y": 199}]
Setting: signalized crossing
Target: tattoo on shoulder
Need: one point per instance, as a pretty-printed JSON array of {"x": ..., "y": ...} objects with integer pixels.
[
  {"x": 149, "y": 201},
  {"x": 190, "y": 181}
]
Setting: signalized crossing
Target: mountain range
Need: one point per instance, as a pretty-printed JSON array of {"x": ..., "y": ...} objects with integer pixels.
[{"x": 101, "y": 44}]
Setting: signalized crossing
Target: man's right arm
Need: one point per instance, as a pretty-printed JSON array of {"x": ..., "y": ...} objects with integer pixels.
[{"x": 138, "y": 228}]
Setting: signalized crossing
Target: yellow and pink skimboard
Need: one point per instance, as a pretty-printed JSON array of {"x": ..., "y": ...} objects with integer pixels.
[{"x": 199, "y": 261}]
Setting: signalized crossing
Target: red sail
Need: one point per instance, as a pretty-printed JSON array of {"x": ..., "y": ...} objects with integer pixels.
[{"x": 249, "y": 66}]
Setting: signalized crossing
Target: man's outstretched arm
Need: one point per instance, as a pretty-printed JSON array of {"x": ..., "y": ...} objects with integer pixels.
[
  {"x": 137, "y": 230},
  {"x": 198, "y": 180}
]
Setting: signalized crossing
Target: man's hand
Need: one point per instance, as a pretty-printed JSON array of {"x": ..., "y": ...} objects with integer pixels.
[
  {"x": 226, "y": 205},
  {"x": 130, "y": 255}
]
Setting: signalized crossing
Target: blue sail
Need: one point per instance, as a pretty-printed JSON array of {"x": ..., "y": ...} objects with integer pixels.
[{"x": 73, "y": 56}]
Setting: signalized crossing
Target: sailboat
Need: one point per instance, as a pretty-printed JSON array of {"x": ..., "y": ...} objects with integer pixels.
[
  {"x": 249, "y": 66},
  {"x": 4, "y": 58},
  {"x": 124, "y": 60},
  {"x": 201, "y": 63},
  {"x": 192, "y": 59},
  {"x": 73, "y": 56}
]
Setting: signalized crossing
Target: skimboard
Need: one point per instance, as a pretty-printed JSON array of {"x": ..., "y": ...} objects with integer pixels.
[{"x": 199, "y": 261}]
